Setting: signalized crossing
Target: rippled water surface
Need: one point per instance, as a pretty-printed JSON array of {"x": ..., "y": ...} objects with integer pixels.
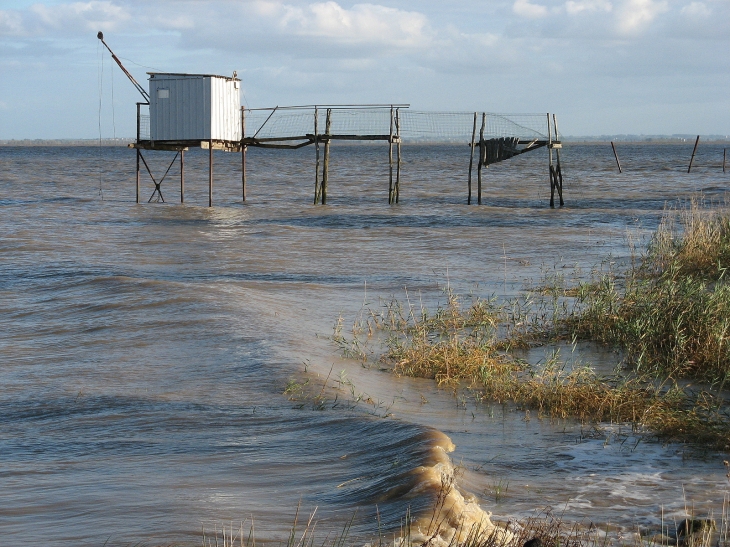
[{"x": 145, "y": 348}]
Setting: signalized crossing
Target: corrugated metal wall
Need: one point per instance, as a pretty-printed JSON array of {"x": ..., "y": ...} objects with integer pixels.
[{"x": 195, "y": 108}]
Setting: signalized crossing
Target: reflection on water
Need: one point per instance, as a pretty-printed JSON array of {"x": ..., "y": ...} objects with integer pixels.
[{"x": 145, "y": 348}]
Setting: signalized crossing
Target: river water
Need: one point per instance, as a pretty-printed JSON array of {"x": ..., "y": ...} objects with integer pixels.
[{"x": 145, "y": 349}]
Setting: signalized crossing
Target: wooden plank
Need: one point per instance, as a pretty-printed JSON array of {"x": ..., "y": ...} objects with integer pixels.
[
  {"x": 145, "y": 145},
  {"x": 282, "y": 146},
  {"x": 253, "y": 140}
]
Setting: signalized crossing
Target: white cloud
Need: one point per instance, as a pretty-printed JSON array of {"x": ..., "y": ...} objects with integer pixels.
[
  {"x": 524, "y": 8},
  {"x": 575, "y": 7},
  {"x": 43, "y": 20},
  {"x": 696, "y": 9},
  {"x": 11, "y": 23},
  {"x": 363, "y": 23},
  {"x": 635, "y": 15}
]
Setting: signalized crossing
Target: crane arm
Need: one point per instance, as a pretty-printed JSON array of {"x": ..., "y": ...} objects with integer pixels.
[{"x": 146, "y": 95}]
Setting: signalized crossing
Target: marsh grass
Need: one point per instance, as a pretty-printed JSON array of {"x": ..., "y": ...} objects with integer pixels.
[
  {"x": 667, "y": 312},
  {"x": 670, "y": 314}
]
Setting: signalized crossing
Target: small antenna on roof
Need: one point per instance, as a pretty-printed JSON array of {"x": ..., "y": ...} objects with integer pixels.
[{"x": 100, "y": 36}]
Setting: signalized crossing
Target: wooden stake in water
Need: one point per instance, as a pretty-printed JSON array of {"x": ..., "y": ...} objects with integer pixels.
[
  {"x": 137, "y": 175},
  {"x": 210, "y": 173},
  {"x": 390, "y": 158},
  {"x": 482, "y": 147},
  {"x": 615, "y": 155},
  {"x": 724, "y": 153},
  {"x": 471, "y": 157},
  {"x": 326, "y": 166},
  {"x": 316, "y": 155},
  {"x": 559, "y": 171},
  {"x": 550, "y": 162},
  {"x": 243, "y": 153},
  {"x": 694, "y": 150},
  {"x": 182, "y": 176},
  {"x": 398, "y": 150}
]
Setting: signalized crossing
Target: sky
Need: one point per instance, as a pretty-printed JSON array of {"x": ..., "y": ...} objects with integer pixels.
[{"x": 605, "y": 67}]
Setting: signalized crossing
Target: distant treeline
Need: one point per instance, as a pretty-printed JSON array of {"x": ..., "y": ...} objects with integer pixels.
[
  {"x": 67, "y": 142},
  {"x": 657, "y": 139}
]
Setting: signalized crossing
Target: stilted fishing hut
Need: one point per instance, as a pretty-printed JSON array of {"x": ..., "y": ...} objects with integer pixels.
[
  {"x": 185, "y": 110},
  {"x": 204, "y": 110}
]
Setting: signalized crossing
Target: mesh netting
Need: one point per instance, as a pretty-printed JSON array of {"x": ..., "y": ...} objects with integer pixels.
[{"x": 413, "y": 125}]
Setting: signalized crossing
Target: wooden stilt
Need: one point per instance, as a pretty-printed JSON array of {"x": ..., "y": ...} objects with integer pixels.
[
  {"x": 210, "y": 174},
  {"x": 390, "y": 158},
  {"x": 398, "y": 150},
  {"x": 182, "y": 176},
  {"x": 694, "y": 150},
  {"x": 326, "y": 165},
  {"x": 615, "y": 155},
  {"x": 724, "y": 154},
  {"x": 550, "y": 162},
  {"x": 559, "y": 171},
  {"x": 482, "y": 155},
  {"x": 243, "y": 154},
  {"x": 137, "y": 149},
  {"x": 316, "y": 153},
  {"x": 137, "y": 175},
  {"x": 471, "y": 157}
]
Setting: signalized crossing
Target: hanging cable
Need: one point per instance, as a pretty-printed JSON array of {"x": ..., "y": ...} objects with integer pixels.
[
  {"x": 114, "y": 118},
  {"x": 101, "y": 89}
]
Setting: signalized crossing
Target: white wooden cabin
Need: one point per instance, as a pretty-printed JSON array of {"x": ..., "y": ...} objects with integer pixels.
[{"x": 194, "y": 107}]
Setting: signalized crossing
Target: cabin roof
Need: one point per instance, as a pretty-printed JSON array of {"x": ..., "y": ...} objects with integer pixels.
[{"x": 153, "y": 74}]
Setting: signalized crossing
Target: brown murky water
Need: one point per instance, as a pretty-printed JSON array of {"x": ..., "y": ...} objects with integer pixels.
[{"x": 145, "y": 348}]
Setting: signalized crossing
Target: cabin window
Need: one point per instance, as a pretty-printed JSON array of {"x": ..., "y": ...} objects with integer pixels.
[{"x": 163, "y": 93}]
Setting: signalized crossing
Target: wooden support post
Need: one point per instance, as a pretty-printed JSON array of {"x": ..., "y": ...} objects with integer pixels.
[
  {"x": 210, "y": 173},
  {"x": 137, "y": 149},
  {"x": 615, "y": 155},
  {"x": 326, "y": 165},
  {"x": 471, "y": 157},
  {"x": 243, "y": 154},
  {"x": 724, "y": 154},
  {"x": 482, "y": 150},
  {"x": 316, "y": 153},
  {"x": 390, "y": 158},
  {"x": 182, "y": 176},
  {"x": 138, "y": 152},
  {"x": 139, "y": 122},
  {"x": 550, "y": 162},
  {"x": 694, "y": 150},
  {"x": 559, "y": 171},
  {"x": 397, "y": 169}
]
